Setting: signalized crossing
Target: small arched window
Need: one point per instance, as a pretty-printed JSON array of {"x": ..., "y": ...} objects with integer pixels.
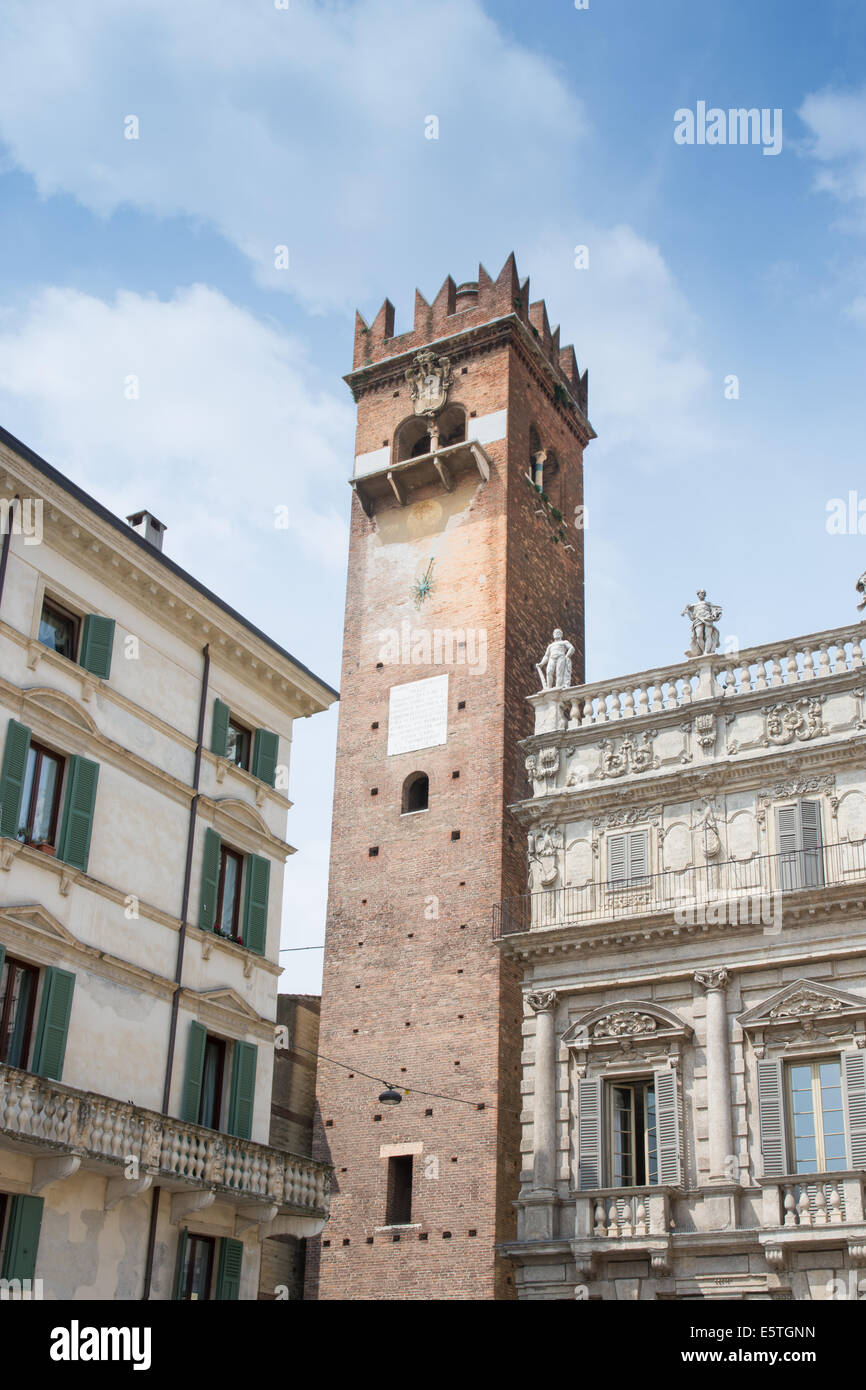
[
  {"x": 536, "y": 458},
  {"x": 552, "y": 484},
  {"x": 412, "y": 439},
  {"x": 416, "y": 793}
]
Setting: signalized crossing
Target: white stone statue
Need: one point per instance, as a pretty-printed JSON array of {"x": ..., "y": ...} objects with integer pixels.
[
  {"x": 554, "y": 668},
  {"x": 703, "y": 617},
  {"x": 860, "y": 586}
]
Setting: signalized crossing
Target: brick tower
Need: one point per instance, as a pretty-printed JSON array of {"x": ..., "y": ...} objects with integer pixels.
[{"x": 459, "y": 571}]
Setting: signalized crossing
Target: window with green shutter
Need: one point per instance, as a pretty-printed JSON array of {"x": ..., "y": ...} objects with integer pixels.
[
  {"x": 97, "y": 641},
  {"x": 228, "y": 1284},
  {"x": 243, "y": 1090},
  {"x": 265, "y": 752},
  {"x": 12, "y": 777},
  {"x": 21, "y": 1244},
  {"x": 76, "y": 827},
  {"x": 194, "y": 1075},
  {"x": 254, "y": 932},
  {"x": 53, "y": 1026},
  {"x": 220, "y": 729},
  {"x": 210, "y": 873}
]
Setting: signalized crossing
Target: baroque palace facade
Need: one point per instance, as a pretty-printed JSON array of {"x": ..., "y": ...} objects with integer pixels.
[
  {"x": 146, "y": 731},
  {"x": 693, "y": 951}
]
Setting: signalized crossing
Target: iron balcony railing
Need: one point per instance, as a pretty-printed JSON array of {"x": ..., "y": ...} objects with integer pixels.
[{"x": 725, "y": 883}]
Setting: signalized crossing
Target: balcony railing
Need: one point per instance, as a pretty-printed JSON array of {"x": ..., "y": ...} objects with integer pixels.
[
  {"x": 53, "y": 1118},
  {"x": 740, "y": 886}
]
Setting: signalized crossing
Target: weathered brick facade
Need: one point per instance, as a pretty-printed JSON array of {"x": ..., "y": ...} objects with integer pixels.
[{"x": 414, "y": 989}]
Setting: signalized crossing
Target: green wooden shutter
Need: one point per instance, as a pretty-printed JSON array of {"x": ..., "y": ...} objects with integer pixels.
[
  {"x": 265, "y": 752},
  {"x": 22, "y": 1238},
  {"x": 180, "y": 1265},
  {"x": 97, "y": 640},
  {"x": 73, "y": 845},
  {"x": 243, "y": 1090},
  {"x": 12, "y": 776},
  {"x": 231, "y": 1258},
  {"x": 810, "y": 839},
  {"x": 854, "y": 1072},
  {"x": 771, "y": 1117},
  {"x": 210, "y": 873},
  {"x": 194, "y": 1073},
  {"x": 219, "y": 737},
  {"x": 589, "y": 1127},
  {"x": 2, "y": 957},
  {"x": 50, "y": 1049},
  {"x": 668, "y": 1126},
  {"x": 255, "y": 920},
  {"x": 787, "y": 829}
]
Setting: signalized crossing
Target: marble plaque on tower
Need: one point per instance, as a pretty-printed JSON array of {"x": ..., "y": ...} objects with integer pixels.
[{"x": 418, "y": 715}]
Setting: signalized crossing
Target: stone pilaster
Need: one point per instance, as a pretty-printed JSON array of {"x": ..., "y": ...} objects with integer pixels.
[{"x": 714, "y": 981}]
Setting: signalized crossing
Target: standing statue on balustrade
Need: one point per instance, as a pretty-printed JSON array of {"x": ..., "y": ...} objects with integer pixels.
[
  {"x": 554, "y": 668},
  {"x": 703, "y": 617}
]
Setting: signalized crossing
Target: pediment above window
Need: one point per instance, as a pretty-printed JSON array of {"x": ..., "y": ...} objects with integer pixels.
[
  {"x": 227, "y": 999},
  {"x": 56, "y": 704},
  {"x": 627, "y": 1027},
  {"x": 805, "y": 1011}
]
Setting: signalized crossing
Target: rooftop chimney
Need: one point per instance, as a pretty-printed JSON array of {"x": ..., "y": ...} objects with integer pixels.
[{"x": 146, "y": 524}]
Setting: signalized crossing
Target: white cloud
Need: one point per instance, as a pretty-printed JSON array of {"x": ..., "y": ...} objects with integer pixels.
[
  {"x": 303, "y": 127},
  {"x": 226, "y": 425},
  {"x": 836, "y": 122}
]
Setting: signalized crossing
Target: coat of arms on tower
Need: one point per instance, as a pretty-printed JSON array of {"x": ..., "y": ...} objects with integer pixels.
[{"x": 429, "y": 378}]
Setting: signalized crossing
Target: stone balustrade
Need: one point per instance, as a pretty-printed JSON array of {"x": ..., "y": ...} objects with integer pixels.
[
  {"x": 787, "y": 663},
  {"x": 621, "y": 1213},
  {"x": 50, "y": 1117},
  {"x": 825, "y": 1199}
]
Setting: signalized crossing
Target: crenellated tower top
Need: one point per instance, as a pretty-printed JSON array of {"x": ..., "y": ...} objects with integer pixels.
[{"x": 458, "y": 309}]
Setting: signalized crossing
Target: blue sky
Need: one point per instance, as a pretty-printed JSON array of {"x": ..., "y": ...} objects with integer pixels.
[{"x": 260, "y": 126}]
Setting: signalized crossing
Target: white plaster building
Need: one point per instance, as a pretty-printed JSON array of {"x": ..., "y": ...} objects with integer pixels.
[
  {"x": 694, "y": 959},
  {"x": 145, "y": 730}
]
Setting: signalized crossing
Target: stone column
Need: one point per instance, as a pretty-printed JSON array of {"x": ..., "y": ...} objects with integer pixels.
[
  {"x": 543, "y": 1005},
  {"x": 715, "y": 981}
]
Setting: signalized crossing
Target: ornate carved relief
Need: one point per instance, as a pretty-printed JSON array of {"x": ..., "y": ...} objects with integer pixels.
[
  {"x": 624, "y": 1023},
  {"x": 541, "y": 1000},
  {"x": 789, "y": 789},
  {"x": 802, "y": 1012},
  {"x": 545, "y": 846},
  {"x": 628, "y": 756},
  {"x": 429, "y": 378},
  {"x": 705, "y": 730},
  {"x": 793, "y": 720}
]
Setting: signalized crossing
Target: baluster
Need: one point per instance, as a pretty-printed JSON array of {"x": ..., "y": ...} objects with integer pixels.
[
  {"x": 836, "y": 1214},
  {"x": 791, "y": 673},
  {"x": 760, "y": 674},
  {"x": 744, "y": 684},
  {"x": 628, "y": 711},
  {"x": 626, "y": 1227},
  {"x": 640, "y": 1216},
  {"x": 670, "y": 700},
  {"x": 803, "y": 1213},
  {"x": 820, "y": 1206},
  {"x": 588, "y": 711},
  {"x": 656, "y": 703},
  {"x": 613, "y": 1220},
  {"x": 808, "y": 665},
  {"x": 25, "y": 1111},
  {"x": 841, "y": 659},
  {"x": 856, "y": 653},
  {"x": 614, "y": 711},
  {"x": 775, "y": 669},
  {"x": 601, "y": 716},
  {"x": 686, "y": 695},
  {"x": 823, "y": 660},
  {"x": 643, "y": 706},
  {"x": 790, "y": 1207}
]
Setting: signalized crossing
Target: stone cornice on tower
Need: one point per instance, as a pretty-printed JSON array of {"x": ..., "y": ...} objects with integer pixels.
[{"x": 460, "y": 308}]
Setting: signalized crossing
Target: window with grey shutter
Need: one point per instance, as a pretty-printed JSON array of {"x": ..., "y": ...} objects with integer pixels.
[
  {"x": 800, "y": 845},
  {"x": 854, "y": 1072},
  {"x": 771, "y": 1117},
  {"x": 668, "y": 1127},
  {"x": 589, "y": 1127},
  {"x": 628, "y": 857}
]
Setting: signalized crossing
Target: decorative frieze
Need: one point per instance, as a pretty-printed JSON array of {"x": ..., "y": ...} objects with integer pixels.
[{"x": 798, "y": 720}]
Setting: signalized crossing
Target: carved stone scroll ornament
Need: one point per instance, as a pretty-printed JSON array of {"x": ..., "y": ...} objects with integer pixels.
[
  {"x": 624, "y": 1023},
  {"x": 800, "y": 719},
  {"x": 804, "y": 1004},
  {"x": 714, "y": 978},
  {"x": 429, "y": 378},
  {"x": 541, "y": 1000},
  {"x": 544, "y": 848},
  {"x": 705, "y": 730},
  {"x": 628, "y": 756}
]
